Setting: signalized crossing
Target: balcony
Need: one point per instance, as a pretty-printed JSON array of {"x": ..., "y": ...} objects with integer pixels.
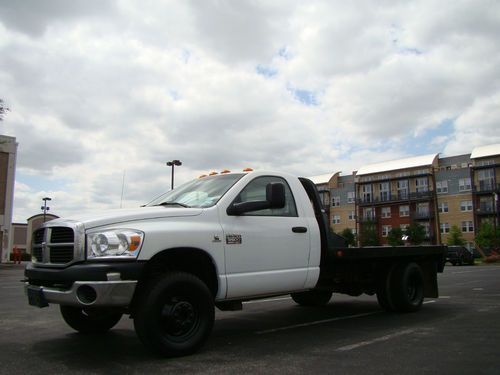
[
  {"x": 485, "y": 209},
  {"x": 422, "y": 215},
  {"x": 485, "y": 187},
  {"x": 400, "y": 197},
  {"x": 368, "y": 219}
]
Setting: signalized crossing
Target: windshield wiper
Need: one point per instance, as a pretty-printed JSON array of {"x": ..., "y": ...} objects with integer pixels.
[{"x": 172, "y": 204}]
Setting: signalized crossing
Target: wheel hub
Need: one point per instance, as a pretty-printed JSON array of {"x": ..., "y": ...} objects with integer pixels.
[{"x": 179, "y": 317}]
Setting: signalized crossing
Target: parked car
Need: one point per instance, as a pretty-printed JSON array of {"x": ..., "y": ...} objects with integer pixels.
[{"x": 459, "y": 255}]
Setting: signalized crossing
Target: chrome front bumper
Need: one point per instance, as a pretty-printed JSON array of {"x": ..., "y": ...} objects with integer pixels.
[{"x": 114, "y": 293}]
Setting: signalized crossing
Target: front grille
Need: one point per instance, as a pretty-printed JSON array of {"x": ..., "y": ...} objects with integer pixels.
[
  {"x": 61, "y": 254},
  {"x": 54, "y": 245},
  {"x": 62, "y": 235}
]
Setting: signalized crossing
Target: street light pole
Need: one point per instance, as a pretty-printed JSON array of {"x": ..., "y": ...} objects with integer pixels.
[
  {"x": 44, "y": 207},
  {"x": 172, "y": 164}
]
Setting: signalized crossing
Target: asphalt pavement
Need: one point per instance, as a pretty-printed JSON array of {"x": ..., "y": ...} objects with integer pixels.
[{"x": 459, "y": 333}]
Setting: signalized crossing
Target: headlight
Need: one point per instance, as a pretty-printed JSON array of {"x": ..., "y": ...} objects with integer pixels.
[{"x": 118, "y": 243}]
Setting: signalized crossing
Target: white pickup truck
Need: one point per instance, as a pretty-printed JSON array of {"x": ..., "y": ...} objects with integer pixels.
[{"x": 213, "y": 242}]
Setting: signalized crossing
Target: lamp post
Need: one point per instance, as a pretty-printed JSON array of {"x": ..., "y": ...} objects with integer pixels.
[
  {"x": 172, "y": 164},
  {"x": 44, "y": 207}
]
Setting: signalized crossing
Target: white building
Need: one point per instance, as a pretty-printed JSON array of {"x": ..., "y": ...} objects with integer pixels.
[{"x": 8, "y": 153}]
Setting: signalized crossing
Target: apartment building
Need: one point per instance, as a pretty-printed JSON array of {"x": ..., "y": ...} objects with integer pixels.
[
  {"x": 485, "y": 178},
  {"x": 438, "y": 193}
]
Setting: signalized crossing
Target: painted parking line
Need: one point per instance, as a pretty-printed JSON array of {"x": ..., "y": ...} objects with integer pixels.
[
  {"x": 376, "y": 340},
  {"x": 316, "y": 322}
]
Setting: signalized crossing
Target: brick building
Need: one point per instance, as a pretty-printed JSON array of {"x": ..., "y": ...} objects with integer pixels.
[{"x": 438, "y": 193}]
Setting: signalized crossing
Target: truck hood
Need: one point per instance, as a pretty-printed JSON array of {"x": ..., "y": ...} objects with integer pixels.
[{"x": 101, "y": 218}]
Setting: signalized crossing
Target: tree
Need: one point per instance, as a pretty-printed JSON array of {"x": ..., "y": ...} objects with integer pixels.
[
  {"x": 455, "y": 238},
  {"x": 416, "y": 233},
  {"x": 3, "y": 109},
  {"x": 368, "y": 235},
  {"x": 395, "y": 237},
  {"x": 486, "y": 237},
  {"x": 349, "y": 236}
]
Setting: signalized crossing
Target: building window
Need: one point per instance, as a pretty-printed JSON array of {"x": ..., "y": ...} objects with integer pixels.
[
  {"x": 464, "y": 184},
  {"x": 423, "y": 210},
  {"x": 486, "y": 179},
  {"x": 486, "y": 205},
  {"x": 427, "y": 227},
  {"x": 351, "y": 215},
  {"x": 444, "y": 228},
  {"x": 467, "y": 226},
  {"x": 386, "y": 212},
  {"x": 442, "y": 207},
  {"x": 404, "y": 211},
  {"x": 385, "y": 230},
  {"x": 442, "y": 187},
  {"x": 465, "y": 206},
  {"x": 404, "y": 227},
  {"x": 367, "y": 193},
  {"x": 336, "y": 219},
  {"x": 384, "y": 191},
  {"x": 403, "y": 189},
  {"x": 336, "y": 201},
  {"x": 350, "y": 197},
  {"x": 422, "y": 184},
  {"x": 369, "y": 213}
]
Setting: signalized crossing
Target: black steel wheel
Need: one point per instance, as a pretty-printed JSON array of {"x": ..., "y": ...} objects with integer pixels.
[
  {"x": 312, "y": 297},
  {"x": 175, "y": 315},
  {"x": 90, "y": 320}
]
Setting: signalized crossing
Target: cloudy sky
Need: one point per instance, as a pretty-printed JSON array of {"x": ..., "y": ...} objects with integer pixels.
[{"x": 99, "y": 90}]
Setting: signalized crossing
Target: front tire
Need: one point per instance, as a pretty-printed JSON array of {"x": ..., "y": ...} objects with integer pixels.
[
  {"x": 312, "y": 298},
  {"x": 175, "y": 315},
  {"x": 90, "y": 320}
]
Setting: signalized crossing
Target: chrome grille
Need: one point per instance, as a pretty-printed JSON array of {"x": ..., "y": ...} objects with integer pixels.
[{"x": 54, "y": 245}]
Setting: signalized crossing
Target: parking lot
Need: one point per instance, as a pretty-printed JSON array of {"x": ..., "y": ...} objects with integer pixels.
[{"x": 459, "y": 333}]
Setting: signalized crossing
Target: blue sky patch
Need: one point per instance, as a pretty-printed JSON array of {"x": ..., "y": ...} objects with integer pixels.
[
  {"x": 40, "y": 183},
  {"x": 304, "y": 96},
  {"x": 266, "y": 71},
  {"x": 426, "y": 143}
]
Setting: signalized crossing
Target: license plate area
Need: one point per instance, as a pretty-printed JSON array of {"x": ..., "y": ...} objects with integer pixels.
[{"x": 36, "y": 297}]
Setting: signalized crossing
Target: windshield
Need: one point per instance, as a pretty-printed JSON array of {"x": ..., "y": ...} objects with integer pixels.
[{"x": 203, "y": 192}]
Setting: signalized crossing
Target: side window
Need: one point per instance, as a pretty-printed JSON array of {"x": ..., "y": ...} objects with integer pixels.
[{"x": 256, "y": 191}]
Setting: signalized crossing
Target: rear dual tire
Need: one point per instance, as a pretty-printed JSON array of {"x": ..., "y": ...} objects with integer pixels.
[{"x": 402, "y": 289}]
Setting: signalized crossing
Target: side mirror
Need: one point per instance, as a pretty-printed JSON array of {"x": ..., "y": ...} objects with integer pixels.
[
  {"x": 275, "y": 198},
  {"x": 275, "y": 194}
]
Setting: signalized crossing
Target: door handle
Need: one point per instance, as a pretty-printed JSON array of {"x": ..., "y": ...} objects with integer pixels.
[{"x": 299, "y": 229}]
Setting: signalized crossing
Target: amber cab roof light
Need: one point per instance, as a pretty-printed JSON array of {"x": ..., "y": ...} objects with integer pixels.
[
  {"x": 212, "y": 173},
  {"x": 225, "y": 171},
  {"x": 248, "y": 170}
]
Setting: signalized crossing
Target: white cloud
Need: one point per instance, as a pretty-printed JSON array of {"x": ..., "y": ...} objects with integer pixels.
[{"x": 104, "y": 87}]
